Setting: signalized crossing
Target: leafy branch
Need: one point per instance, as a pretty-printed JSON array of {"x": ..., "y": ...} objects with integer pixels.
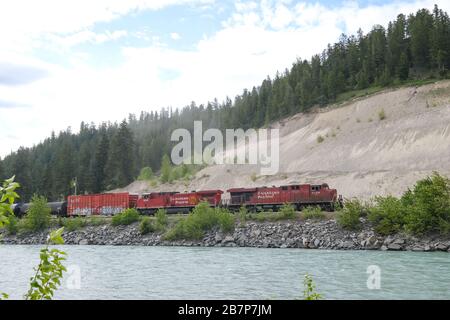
[
  {"x": 7, "y": 197},
  {"x": 309, "y": 293},
  {"x": 50, "y": 270}
]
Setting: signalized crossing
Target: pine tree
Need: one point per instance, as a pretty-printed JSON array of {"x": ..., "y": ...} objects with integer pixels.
[
  {"x": 120, "y": 165},
  {"x": 99, "y": 163},
  {"x": 166, "y": 169}
]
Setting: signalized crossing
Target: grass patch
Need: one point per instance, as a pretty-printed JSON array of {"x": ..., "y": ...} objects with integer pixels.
[
  {"x": 72, "y": 224},
  {"x": 161, "y": 220},
  {"x": 97, "y": 221},
  {"x": 381, "y": 115},
  {"x": 286, "y": 214},
  {"x": 313, "y": 213}
]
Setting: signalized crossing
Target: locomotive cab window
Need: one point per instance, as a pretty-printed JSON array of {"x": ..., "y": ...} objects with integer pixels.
[
  {"x": 284, "y": 188},
  {"x": 315, "y": 188}
]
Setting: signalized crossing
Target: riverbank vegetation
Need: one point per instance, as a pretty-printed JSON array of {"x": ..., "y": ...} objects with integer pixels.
[
  {"x": 200, "y": 220},
  {"x": 423, "y": 209}
]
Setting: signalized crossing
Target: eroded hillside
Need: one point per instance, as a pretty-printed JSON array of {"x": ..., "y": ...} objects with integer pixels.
[{"x": 370, "y": 146}]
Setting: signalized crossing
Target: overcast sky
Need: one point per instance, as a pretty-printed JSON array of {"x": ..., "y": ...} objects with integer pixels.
[{"x": 65, "y": 61}]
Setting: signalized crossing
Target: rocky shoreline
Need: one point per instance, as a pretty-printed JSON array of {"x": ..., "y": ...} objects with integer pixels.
[{"x": 284, "y": 234}]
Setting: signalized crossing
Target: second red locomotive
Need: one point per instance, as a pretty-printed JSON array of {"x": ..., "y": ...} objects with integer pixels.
[{"x": 272, "y": 198}]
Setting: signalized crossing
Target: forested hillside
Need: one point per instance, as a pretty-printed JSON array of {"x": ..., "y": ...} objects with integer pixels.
[{"x": 110, "y": 155}]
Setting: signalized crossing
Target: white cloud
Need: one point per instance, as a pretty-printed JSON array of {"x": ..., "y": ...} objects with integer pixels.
[
  {"x": 23, "y": 22},
  {"x": 256, "y": 41},
  {"x": 175, "y": 36}
]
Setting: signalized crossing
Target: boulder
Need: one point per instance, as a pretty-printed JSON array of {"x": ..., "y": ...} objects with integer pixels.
[
  {"x": 228, "y": 239},
  {"x": 394, "y": 246},
  {"x": 441, "y": 247},
  {"x": 83, "y": 242}
]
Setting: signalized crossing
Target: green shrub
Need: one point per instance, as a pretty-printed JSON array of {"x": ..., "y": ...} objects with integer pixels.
[
  {"x": 146, "y": 226},
  {"x": 381, "y": 115},
  {"x": 287, "y": 211},
  {"x": 126, "y": 217},
  {"x": 428, "y": 205},
  {"x": 200, "y": 220},
  {"x": 388, "y": 215},
  {"x": 12, "y": 226},
  {"x": 320, "y": 139},
  {"x": 161, "y": 219},
  {"x": 313, "y": 213},
  {"x": 348, "y": 217},
  {"x": 72, "y": 224},
  {"x": 225, "y": 220},
  {"x": 146, "y": 174},
  {"x": 38, "y": 215}
]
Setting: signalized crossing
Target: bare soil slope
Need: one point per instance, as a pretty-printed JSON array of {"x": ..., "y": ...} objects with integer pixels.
[{"x": 360, "y": 155}]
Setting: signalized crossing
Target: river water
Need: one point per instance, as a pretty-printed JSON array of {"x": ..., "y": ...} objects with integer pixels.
[{"x": 134, "y": 272}]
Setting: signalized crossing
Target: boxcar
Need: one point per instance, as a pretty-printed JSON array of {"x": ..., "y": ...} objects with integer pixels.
[
  {"x": 100, "y": 204},
  {"x": 265, "y": 198}
]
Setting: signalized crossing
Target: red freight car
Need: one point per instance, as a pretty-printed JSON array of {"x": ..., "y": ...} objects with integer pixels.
[
  {"x": 175, "y": 202},
  {"x": 274, "y": 197},
  {"x": 100, "y": 204}
]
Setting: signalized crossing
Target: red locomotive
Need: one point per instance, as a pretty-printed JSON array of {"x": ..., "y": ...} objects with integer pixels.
[
  {"x": 300, "y": 196},
  {"x": 254, "y": 199},
  {"x": 175, "y": 202}
]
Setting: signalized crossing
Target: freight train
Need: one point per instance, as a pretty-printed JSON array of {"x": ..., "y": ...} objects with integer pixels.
[{"x": 254, "y": 199}]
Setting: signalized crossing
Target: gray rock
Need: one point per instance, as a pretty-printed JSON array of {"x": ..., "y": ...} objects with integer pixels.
[
  {"x": 394, "y": 246},
  {"x": 399, "y": 241},
  {"x": 228, "y": 239},
  {"x": 83, "y": 242},
  {"x": 218, "y": 237},
  {"x": 441, "y": 247}
]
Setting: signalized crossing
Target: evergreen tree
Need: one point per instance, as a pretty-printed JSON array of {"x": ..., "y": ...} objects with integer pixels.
[
  {"x": 166, "y": 169},
  {"x": 120, "y": 165}
]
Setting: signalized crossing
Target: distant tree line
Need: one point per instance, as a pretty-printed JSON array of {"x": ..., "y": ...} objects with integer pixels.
[{"x": 111, "y": 155}]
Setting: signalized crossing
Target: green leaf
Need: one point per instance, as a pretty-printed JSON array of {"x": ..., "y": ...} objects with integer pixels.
[{"x": 56, "y": 236}]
